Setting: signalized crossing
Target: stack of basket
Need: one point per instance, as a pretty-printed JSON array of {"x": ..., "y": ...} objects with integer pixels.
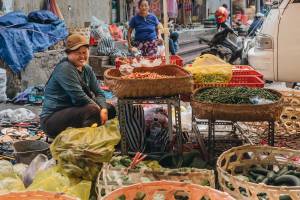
[{"x": 287, "y": 127}]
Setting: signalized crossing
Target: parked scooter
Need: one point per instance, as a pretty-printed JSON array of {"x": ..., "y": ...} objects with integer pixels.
[{"x": 225, "y": 44}]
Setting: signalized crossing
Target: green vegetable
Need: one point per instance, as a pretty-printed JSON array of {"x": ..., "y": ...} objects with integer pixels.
[
  {"x": 260, "y": 170},
  {"x": 140, "y": 196},
  {"x": 285, "y": 197},
  {"x": 260, "y": 178},
  {"x": 234, "y": 95},
  {"x": 282, "y": 171},
  {"x": 288, "y": 180},
  {"x": 122, "y": 197},
  {"x": 254, "y": 175}
]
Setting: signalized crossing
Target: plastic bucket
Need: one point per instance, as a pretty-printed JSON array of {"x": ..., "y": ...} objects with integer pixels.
[{"x": 25, "y": 151}]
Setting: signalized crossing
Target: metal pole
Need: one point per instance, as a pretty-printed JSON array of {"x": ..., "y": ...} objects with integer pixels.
[
  {"x": 166, "y": 31},
  {"x": 257, "y": 6}
]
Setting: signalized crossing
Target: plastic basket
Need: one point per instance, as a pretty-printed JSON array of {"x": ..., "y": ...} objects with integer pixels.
[
  {"x": 242, "y": 70},
  {"x": 236, "y": 81},
  {"x": 245, "y": 70},
  {"x": 167, "y": 190},
  {"x": 174, "y": 59}
]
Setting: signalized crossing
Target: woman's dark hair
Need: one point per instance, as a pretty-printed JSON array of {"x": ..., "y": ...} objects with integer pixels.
[{"x": 140, "y": 2}]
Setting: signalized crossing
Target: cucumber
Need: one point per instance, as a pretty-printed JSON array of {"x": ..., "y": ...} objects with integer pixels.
[
  {"x": 297, "y": 174},
  {"x": 285, "y": 197},
  {"x": 254, "y": 175},
  {"x": 282, "y": 171},
  {"x": 260, "y": 178},
  {"x": 260, "y": 170},
  {"x": 266, "y": 180},
  {"x": 288, "y": 180}
]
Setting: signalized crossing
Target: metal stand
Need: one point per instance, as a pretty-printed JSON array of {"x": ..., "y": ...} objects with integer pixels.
[
  {"x": 235, "y": 127},
  {"x": 169, "y": 101}
]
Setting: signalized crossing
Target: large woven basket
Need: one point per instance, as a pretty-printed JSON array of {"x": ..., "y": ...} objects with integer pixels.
[
  {"x": 106, "y": 183},
  {"x": 168, "y": 189},
  {"x": 181, "y": 83},
  {"x": 237, "y": 112},
  {"x": 35, "y": 195},
  {"x": 235, "y": 158}
]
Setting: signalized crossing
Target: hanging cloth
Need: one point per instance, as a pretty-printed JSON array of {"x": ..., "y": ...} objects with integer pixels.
[
  {"x": 53, "y": 7},
  {"x": 172, "y": 8}
]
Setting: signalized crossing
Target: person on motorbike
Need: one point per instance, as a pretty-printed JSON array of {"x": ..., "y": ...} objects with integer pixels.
[
  {"x": 256, "y": 24},
  {"x": 221, "y": 16}
]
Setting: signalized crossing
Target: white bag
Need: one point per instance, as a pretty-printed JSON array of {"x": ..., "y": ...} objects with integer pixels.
[{"x": 3, "y": 80}]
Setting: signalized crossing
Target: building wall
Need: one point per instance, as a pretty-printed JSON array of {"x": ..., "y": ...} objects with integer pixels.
[{"x": 75, "y": 12}]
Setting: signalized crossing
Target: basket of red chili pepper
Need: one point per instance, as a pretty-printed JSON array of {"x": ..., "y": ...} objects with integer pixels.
[{"x": 166, "y": 80}]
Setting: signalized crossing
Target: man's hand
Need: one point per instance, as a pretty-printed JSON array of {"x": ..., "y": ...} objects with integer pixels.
[{"x": 104, "y": 116}]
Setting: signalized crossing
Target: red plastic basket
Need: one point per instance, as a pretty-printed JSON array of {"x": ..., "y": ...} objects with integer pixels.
[
  {"x": 245, "y": 70},
  {"x": 174, "y": 59},
  {"x": 236, "y": 81}
]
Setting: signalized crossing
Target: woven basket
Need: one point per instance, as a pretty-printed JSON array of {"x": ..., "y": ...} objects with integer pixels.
[
  {"x": 35, "y": 195},
  {"x": 168, "y": 189},
  {"x": 234, "y": 159},
  {"x": 237, "y": 112},
  {"x": 179, "y": 84},
  {"x": 106, "y": 185}
]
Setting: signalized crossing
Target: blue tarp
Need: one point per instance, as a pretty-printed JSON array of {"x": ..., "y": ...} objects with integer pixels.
[{"x": 21, "y": 36}]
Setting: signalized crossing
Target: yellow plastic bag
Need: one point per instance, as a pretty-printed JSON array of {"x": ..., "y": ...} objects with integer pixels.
[
  {"x": 11, "y": 184},
  {"x": 9, "y": 180},
  {"x": 80, "y": 152},
  {"x": 210, "y": 69},
  {"x": 208, "y": 59},
  {"x": 52, "y": 181}
]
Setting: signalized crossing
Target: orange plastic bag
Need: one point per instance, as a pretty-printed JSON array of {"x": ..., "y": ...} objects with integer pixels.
[{"x": 115, "y": 32}]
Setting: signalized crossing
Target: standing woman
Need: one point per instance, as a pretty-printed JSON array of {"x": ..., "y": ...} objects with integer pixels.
[{"x": 147, "y": 36}]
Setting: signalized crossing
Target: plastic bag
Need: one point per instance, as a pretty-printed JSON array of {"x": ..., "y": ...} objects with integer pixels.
[
  {"x": 20, "y": 170},
  {"x": 6, "y": 169},
  {"x": 9, "y": 181},
  {"x": 115, "y": 32},
  {"x": 80, "y": 152},
  {"x": 3, "y": 80},
  {"x": 210, "y": 69},
  {"x": 39, "y": 163},
  {"x": 52, "y": 181},
  {"x": 11, "y": 184},
  {"x": 16, "y": 116},
  {"x": 186, "y": 116}
]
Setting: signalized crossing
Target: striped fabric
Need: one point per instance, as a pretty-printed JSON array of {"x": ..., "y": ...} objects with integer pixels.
[{"x": 135, "y": 128}]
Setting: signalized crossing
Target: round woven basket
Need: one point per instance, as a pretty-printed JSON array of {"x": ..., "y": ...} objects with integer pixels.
[
  {"x": 168, "y": 189},
  {"x": 35, "y": 195},
  {"x": 179, "y": 83},
  {"x": 106, "y": 182},
  {"x": 237, "y": 112},
  {"x": 235, "y": 159}
]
